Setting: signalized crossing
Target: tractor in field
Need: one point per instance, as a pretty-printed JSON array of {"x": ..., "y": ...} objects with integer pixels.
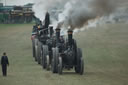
[
  {"x": 66, "y": 55},
  {"x": 41, "y": 38},
  {"x": 54, "y": 50},
  {"x": 47, "y": 48},
  {"x": 35, "y": 37}
]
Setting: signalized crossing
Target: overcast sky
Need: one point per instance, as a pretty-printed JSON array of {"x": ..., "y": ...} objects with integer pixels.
[
  {"x": 23, "y": 2},
  {"x": 16, "y": 2}
]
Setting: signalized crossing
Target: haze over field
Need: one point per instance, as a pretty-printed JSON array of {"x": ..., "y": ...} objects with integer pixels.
[
  {"x": 82, "y": 14},
  {"x": 78, "y": 13}
]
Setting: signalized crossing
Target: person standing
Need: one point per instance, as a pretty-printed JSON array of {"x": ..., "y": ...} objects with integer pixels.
[{"x": 4, "y": 63}]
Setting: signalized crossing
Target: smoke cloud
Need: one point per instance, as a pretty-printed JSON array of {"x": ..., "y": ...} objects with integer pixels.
[
  {"x": 42, "y": 6},
  {"x": 75, "y": 13},
  {"x": 78, "y": 12}
]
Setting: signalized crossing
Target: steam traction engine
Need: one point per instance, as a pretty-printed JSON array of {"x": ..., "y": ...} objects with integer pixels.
[
  {"x": 47, "y": 49},
  {"x": 35, "y": 38},
  {"x": 39, "y": 39},
  {"x": 51, "y": 49},
  {"x": 66, "y": 55}
]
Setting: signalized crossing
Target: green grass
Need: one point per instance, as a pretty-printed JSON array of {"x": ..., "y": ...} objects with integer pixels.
[
  {"x": 6, "y": 26},
  {"x": 105, "y": 52}
]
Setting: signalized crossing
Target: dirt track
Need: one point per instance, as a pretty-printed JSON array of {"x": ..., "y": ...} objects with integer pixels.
[{"x": 105, "y": 51}]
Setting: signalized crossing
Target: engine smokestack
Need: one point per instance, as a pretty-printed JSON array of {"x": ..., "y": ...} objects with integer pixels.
[
  {"x": 51, "y": 30},
  {"x": 47, "y": 20},
  {"x": 70, "y": 37},
  {"x": 58, "y": 35}
]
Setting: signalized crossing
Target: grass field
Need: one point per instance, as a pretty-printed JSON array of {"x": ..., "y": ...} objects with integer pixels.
[{"x": 105, "y": 51}]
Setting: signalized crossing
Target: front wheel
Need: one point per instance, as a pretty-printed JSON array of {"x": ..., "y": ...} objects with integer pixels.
[
  {"x": 47, "y": 62},
  {"x": 60, "y": 66}
]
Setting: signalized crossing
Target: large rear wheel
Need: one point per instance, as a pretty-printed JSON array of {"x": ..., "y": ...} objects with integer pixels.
[
  {"x": 41, "y": 55},
  {"x": 36, "y": 49},
  {"x": 45, "y": 53},
  {"x": 81, "y": 66},
  {"x": 39, "y": 52},
  {"x": 36, "y": 53},
  {"x": 80, "y": 62},
  {"x": 33, "y": 47},
  {"x": 55, "y": 53}
]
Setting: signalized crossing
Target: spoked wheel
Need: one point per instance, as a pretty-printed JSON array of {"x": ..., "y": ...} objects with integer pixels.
[
  {"x": 41, "y": 56},
  {"x": 53, "y": 60},
  {"x": 76, "y": 69},
  {"x": 36, "y": 53},
  {"x": 45, "y": 53},
  {"x": 36, "y": 49},
  {"x": 75, "y": 46},
  {"x": 55, "y": 53},
  {"x": 57, "y": 58},
  {"x": 39, "y": 53},
  {"x": 81, "y": 66},
  {"x": 80, "y": 62},
  {"x": 33, "y": 47},
  {"x": 60, "y": 66},
  {"x": 47, "y": 62}
]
